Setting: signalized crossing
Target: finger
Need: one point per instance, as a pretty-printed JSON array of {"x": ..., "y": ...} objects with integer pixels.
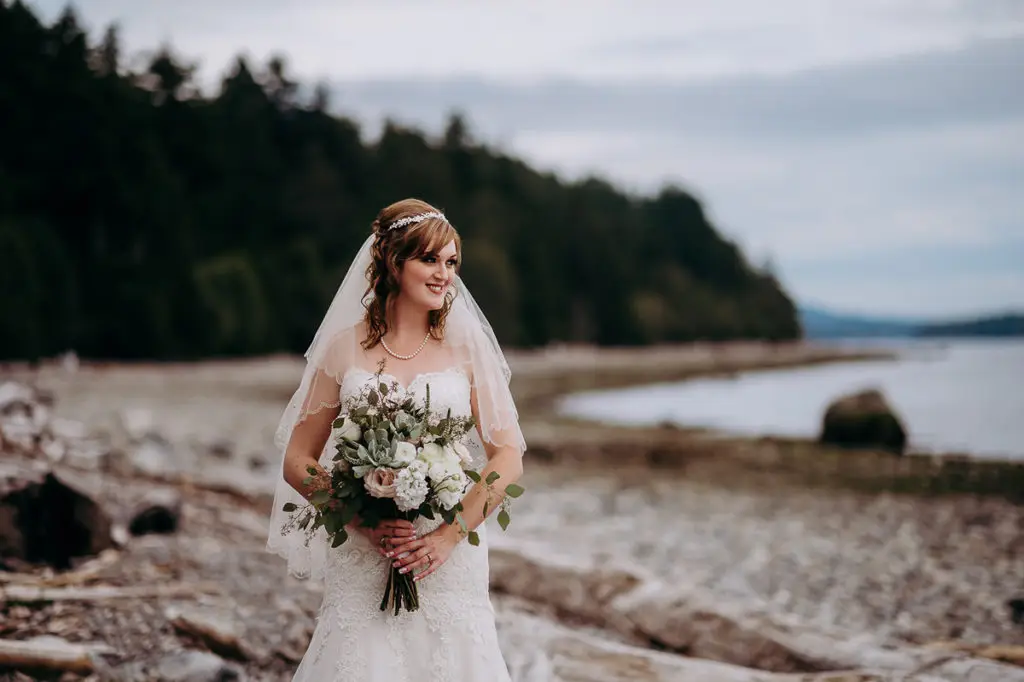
[
  {"x": 431, "y": 567},
  {"x": 417, "y": 559},
  {"x": 399, "y": 528},
  {"x": 408, "y": 546},
  {"x": 405, "y": 559}
]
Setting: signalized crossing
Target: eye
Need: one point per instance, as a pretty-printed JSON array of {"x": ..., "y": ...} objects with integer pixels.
[{"x": 428, "y": 259}]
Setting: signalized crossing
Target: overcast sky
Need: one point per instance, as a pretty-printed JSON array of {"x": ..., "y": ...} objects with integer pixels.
[{"x": 873, "y": 150}]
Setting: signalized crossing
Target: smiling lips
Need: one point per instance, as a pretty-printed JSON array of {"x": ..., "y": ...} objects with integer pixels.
[{"x": 437, "y": 288}]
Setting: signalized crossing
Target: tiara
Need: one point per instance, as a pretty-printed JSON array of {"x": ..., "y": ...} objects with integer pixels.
[{"x": 418, "y": 218}]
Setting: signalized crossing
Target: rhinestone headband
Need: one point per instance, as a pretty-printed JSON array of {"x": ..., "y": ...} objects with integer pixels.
[{"x": 418, "y": 218}]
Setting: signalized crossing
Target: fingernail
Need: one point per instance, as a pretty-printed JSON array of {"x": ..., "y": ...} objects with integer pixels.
[{"x": 402, "y": 570}]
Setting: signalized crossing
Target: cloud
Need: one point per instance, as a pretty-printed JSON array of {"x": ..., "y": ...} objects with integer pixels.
[
  {"x": 975, "y": 83},
  {"x": 827, "y": 136}
]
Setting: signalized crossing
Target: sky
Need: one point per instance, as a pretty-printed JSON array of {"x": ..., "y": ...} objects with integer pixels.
[{"x": 871, "y": 150}]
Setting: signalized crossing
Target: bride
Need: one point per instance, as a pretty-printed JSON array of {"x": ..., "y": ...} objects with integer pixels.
[{"x": 401, "y": 303}]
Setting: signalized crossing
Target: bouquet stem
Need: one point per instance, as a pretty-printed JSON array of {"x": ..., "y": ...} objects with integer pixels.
[{"x": 401, "y": 590}]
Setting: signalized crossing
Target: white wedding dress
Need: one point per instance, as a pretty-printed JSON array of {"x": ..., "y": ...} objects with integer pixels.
[{"x": 451, "y": 638}]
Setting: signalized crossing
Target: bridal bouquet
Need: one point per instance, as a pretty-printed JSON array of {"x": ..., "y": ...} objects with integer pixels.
[{"x": 395, "y": 459}]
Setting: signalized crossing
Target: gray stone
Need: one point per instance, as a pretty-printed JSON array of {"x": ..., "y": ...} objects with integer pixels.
[{"x": 863, "y": 419}]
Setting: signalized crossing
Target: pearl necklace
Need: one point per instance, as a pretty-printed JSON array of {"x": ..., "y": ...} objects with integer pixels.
[{"x": 406, "y": 357}]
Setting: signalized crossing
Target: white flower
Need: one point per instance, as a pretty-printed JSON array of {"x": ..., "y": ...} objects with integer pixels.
[
  {"x": 411, "y": 486},
  {"x": 448, "y": 498},
  {"x": 439, "y": 471},
  {"x": 451, "y": 489},
  {"x": 431, "y": 453},
  {"x": 463, "y": 453},
  {"x": 405, "y": 453},
  {"x": 349, "y": 431}
]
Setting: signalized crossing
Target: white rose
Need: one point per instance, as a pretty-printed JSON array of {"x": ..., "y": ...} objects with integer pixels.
[
  {"x": 405, "y": 453},
  {"x": 431, "y": 453},
  {"x": 448, "y": 498},
  {"x": 463, "y": 453},
  {"x": 350, "y": 431},
  {"x": 439, "y": 471}
]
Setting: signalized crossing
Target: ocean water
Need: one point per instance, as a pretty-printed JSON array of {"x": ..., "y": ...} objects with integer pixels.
[{"x": 953, "y": 396}]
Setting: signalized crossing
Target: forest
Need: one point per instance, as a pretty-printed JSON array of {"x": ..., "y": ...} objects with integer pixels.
[{"x": 142, "y": 218}]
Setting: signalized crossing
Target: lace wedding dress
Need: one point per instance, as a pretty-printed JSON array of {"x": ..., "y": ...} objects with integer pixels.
[{"x": 451, "y": 638}]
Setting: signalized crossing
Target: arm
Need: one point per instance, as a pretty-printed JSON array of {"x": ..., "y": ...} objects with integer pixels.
[
  {"x": 507, "y": 461},
  {"x": 307, "y": 442}
]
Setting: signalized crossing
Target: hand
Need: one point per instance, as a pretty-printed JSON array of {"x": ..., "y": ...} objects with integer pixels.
[
  {"x": 429, "y": 552},
  {"x": 387, "y": 534}
]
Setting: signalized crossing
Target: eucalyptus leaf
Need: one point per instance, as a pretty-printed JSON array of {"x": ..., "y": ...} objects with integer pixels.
[
  {"x": 473, "y": 538},
  {"x": 492, "y": 477},
  {"x": 373, "y": 399},
  {"x": 473, "y": 476},
  {"x": 514, "y": 490},
  {"x": 320, "y": 497},
  {"x": 504, "y": 519},
  {"x": 289, "y": 507}
]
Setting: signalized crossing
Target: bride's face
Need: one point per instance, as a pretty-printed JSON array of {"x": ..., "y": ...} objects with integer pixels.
[{"x": 424, "y": 280}]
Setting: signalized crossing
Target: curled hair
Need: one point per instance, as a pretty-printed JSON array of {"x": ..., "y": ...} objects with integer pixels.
[{"x": 391, "y": 249}]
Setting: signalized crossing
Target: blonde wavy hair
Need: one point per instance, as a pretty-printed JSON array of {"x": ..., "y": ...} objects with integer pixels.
[{"x": 391, "y": 249}]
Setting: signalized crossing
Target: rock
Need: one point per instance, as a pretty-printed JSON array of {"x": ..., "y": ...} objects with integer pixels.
[
  {"x": 159, "y": 512},
  {"x": 196, "y": 666},
  {"x": 221, "y": 449},
  {"x": 48, "y": 654},
  {"x": 24, "y": 414},
  {"x": 218, "y": 630},
  {"x": 540, "y": 651},
  {"x": 186, "y": 665},
  {"x": 43, "y": 519},
  {"x": 863, "y": 419},
  {"x": 689, "y": 619},
  {"x": 1016, "y": 607}
]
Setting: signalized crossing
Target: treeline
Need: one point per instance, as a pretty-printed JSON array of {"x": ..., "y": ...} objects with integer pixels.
[
  {"x": 997, "y": 325},
  {"x": 141, "y": 219}
]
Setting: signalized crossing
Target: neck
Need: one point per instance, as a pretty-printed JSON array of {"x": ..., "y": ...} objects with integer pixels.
[{"x": 407, "y": 322}]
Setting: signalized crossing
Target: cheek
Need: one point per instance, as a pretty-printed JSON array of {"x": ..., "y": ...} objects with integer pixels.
[{"x": 414, "y": 273}]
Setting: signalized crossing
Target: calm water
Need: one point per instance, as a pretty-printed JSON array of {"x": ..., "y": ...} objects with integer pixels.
[{"x": 962, "y": 396}]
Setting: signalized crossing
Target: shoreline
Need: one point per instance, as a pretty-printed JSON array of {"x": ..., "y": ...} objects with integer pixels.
[{"x": 811, "y": 535}]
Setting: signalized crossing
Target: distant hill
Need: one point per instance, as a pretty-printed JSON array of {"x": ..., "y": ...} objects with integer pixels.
[
  {"x": 822, "y": 324},
  {"x": 819, "y": 323},
  {"x": 1000, "y": 325}
]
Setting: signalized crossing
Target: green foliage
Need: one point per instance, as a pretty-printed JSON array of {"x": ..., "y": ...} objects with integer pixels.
[{"x": 141, "y": 219}]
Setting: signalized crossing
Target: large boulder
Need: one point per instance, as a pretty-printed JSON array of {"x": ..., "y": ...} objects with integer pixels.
[
  {"x": 45, "y": 520},
  {"x": 864, "y": 419}
]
